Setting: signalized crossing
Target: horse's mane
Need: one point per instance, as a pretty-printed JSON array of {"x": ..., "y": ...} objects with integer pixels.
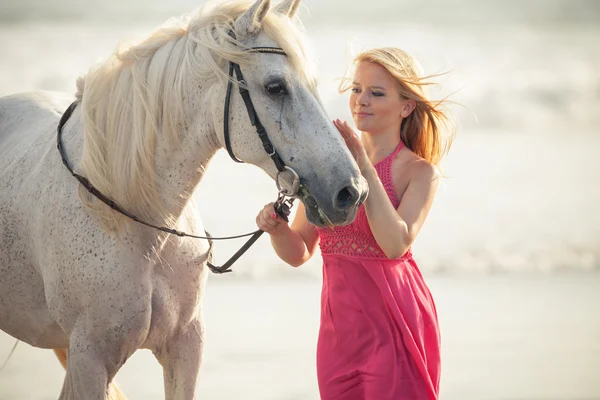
[{"x": 138, "y": 93}]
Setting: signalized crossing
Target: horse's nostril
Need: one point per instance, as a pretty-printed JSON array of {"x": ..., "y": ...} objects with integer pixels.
[{"x": 347, "y": 197}]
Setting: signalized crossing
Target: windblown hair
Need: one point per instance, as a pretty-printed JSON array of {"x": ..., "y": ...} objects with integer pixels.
[
  {"x": 138, "y": 93},
  {"x": 429, "y": 130}
]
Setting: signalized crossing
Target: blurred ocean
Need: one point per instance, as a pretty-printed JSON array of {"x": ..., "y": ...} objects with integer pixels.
[{"x": 522, "y": 190}]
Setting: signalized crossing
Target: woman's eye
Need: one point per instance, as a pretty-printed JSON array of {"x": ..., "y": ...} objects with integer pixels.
[
  {"x": 355, "y": 90},
  {"x": 276, "y": 89},
  {"x": 378, "y": 94}
]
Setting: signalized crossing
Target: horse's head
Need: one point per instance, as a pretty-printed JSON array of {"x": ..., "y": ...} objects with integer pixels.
[{"x": 284, "y": 96}]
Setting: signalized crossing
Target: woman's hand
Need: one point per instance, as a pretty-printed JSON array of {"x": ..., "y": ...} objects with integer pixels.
[
  {"x": 268, "y": 220},
  {"x": 354, "y": 145}
]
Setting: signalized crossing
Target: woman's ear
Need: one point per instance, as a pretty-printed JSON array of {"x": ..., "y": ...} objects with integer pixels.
[{"x": 408, "y": 108}]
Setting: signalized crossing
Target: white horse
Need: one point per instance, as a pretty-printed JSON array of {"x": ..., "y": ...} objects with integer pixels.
[{"x": 77, "y": 275}]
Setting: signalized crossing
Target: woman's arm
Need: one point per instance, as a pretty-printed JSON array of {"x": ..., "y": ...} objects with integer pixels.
[
  {"x": 396, "y": 229},
  {"x": 294, "y": 244}
]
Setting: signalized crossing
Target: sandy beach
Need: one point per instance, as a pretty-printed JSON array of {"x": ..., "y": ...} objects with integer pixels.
[{"x": 505, "y": 337}]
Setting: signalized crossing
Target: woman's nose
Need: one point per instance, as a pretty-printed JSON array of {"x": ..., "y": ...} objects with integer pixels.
[{"x": 362, "y": 99}]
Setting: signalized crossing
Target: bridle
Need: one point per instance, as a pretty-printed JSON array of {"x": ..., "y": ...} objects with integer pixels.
[
  {"x": 285, "y": 197},
  {"x": 234, "y": 68}
]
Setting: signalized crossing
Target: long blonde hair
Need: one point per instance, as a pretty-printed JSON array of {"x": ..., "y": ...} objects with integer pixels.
[{"x": 429, "y": 130}]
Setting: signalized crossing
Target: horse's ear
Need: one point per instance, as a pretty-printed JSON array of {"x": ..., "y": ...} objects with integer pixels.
[
  {"x": 288, "y": 7},
  {"x": 251, "y": 20}
]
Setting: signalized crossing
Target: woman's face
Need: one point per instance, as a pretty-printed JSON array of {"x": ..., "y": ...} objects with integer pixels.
[{"x": 375, "y": 101}]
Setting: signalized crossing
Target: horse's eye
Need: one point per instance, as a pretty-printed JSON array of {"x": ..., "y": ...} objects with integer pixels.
[{"x": 276, "y": 89}]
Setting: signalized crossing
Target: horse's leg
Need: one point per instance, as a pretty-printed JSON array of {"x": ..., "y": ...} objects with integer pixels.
[
  {"x": 181, "y": 358},
  {"x": 113, "y": 390},
  {"x": 91, "y": 366}
]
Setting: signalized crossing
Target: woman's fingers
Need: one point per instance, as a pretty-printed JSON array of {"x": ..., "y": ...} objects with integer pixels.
[
  {"x": 347, "y": 134},
  {"x": 346, "y": 131},
  {"x": 267, "y": 219},
  {"x": 354, "y": 144},
  {"x": 342, "y": 128}
]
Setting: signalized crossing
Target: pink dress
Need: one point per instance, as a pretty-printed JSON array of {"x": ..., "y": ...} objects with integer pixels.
[{"x": 379, "y": 337}]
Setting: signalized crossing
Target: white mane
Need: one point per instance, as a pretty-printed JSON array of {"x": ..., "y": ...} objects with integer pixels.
[{"x": 138, "y": 93}]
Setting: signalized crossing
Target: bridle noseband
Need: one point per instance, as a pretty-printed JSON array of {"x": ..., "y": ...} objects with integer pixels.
[{"x": 285, "y": 198}]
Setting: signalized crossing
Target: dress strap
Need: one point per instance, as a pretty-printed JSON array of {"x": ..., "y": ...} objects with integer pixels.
[
  {"x": 388, "y": 160},
  {"x": 392, "y": 156},
  {"x": 384, "y": 169},
  {"x": 400, "y": 147}
]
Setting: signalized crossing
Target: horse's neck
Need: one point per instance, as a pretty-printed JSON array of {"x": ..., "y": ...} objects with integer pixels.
[{"x": 181, "y": 168}]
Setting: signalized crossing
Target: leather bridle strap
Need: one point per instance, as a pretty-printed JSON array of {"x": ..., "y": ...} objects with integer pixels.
[{"x": 234, "y": 68}]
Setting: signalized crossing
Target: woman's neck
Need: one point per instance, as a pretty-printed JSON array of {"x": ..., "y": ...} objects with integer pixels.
[{"x": 379, "y": 146}]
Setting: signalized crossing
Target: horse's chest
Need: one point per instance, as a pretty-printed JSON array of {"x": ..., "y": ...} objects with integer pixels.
[{"x": 178, "y": 285}]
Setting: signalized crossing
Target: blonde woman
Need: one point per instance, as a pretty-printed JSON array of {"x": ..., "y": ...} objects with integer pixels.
[{"x": 379, "y": 336}]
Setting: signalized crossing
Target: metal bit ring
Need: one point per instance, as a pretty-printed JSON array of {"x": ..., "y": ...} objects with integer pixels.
[{"x": 295, "y": 183}]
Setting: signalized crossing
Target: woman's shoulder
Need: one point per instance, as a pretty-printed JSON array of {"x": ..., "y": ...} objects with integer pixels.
[{"x": 408, "y": 166}]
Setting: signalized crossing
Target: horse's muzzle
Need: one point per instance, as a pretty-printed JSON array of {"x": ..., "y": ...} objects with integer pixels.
[{"x": 339, "y": 210}]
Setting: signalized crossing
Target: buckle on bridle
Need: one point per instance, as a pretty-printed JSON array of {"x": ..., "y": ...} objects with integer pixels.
[{"x": 295, "y": 183}]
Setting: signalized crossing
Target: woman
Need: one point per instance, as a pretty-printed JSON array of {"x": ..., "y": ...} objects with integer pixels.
[{"x": 379, "y": 335}]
